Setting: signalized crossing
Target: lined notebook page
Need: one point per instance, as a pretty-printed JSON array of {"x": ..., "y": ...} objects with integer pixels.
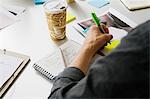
[
  {"x": 53, "y": 63},
  {"x": 8, "y": 65},
  {"x": 69, "y": 51}
]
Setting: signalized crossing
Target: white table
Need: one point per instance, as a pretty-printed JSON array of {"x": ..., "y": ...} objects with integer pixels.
[{"x": 30, "y": 36}]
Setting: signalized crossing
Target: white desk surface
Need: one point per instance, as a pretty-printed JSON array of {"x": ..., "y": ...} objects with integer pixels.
[{"x": 30, "y": 36}]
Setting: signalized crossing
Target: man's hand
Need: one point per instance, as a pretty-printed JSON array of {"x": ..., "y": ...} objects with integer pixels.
[{"x": 93, "y": 42}]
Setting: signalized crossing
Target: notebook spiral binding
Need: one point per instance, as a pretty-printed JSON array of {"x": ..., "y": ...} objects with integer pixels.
[{"x": 43, "y": 72}]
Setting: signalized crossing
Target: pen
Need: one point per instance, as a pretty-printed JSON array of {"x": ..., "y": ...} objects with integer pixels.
[
  {"x": 12, "y": 12},
  {"x": 98, "y": 23}
]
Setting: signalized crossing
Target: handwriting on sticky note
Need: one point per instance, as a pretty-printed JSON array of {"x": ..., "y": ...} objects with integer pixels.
[{"x": 111, "y": 46}]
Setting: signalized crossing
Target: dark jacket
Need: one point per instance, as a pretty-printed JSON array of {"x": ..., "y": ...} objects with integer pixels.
[{"x": 124, "y": 73}]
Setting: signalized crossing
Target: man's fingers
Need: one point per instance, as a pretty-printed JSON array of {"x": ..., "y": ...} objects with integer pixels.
[
  {"x": 105, "y": 38},
  {"x": 105, "y": 29},
  {"x": 94, "y": 27},
  {"x": 97, "y": 29},
  {"x": 109, "y": 37}
]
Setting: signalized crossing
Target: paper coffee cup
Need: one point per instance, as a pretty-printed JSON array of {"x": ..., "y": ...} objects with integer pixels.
[{"x": 55, "y": 11}]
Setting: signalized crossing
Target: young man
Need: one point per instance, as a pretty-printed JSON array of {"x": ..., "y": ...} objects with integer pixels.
[{"x": 124, "y": 73}]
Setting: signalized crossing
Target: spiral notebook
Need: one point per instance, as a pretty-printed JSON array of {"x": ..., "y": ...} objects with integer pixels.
[{"x": 51, "y": 65}]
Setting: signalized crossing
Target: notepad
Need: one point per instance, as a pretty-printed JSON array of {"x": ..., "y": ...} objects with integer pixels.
[
  {"x": 136, "y": 4},
  {"x": 70, "y": 17},
  {"x": 51, "y": 65},
  {"x": 39, "y": 1},
  {"x": 111, "y": 46},
  {"x": 98, "y": 3},
  {"x": 11, "y": 65},
  {"x": 8, "y": 65}
]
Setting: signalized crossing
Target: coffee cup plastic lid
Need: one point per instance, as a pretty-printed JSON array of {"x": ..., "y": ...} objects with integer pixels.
[{"x": 55, "y": 6}]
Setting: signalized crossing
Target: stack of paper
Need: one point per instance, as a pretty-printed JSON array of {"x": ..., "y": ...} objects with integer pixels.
[
  {"x": 8, "y": 65},
  {"x": 11, "y": 65}
]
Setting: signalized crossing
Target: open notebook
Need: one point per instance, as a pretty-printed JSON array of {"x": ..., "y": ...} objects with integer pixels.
[
  {"x": 51, "y": 65},
  {"x": 11, "y": 64}
]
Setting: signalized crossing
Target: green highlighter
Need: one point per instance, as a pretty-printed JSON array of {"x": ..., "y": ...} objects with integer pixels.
[
  {"x": 95, "y": 19},
  {"x": 98, "y": 23}
]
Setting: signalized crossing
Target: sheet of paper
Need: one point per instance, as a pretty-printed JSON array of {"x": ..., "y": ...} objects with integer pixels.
[
  {"x": 6, "y": 18},
  {"x": 117, "y": 28},
  {"x": 70, "y": 50},
  {"x": 98, "y": 3},
  {"x": 17, "y": 9},
  {"x": 117, "y": 33},
  {"x": 8, "y": 65},
  {"x": 8, "y": 14}
]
